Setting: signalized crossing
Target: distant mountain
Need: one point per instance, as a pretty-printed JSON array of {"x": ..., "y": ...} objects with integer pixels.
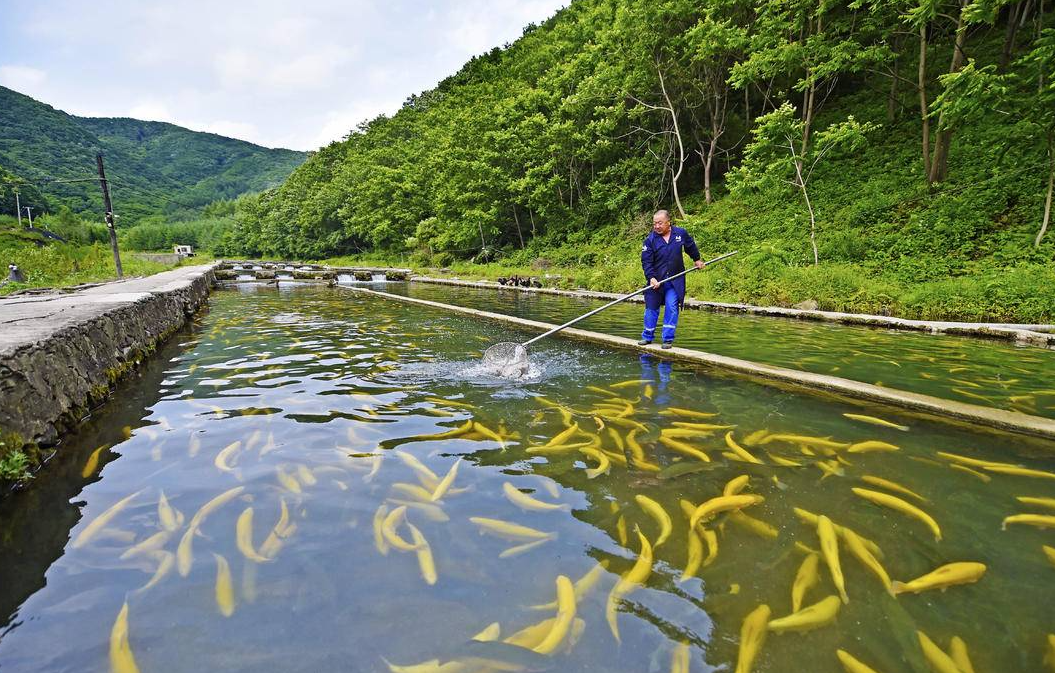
[{"x": 153, "y": 167}]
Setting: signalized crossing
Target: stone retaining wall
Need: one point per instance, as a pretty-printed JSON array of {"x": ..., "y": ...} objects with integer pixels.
[{"x": 53, "y": 373}]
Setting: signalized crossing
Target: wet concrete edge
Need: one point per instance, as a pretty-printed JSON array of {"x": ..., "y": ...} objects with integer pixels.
[
  {"x": 844, "y": 389},
  {"x": 48, "y": 385},
  {"x": 1024, "y": 334}
]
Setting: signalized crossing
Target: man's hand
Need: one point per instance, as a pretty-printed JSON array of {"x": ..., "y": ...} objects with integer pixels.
[
  {"x": 654, "y": 283},
  {"x": 699, "y": 264}
]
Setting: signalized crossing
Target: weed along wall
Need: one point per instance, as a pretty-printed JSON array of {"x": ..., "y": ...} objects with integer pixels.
[{"x": 60, "y": 354}]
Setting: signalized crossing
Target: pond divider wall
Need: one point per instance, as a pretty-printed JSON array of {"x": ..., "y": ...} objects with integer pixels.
[
  {"x": 62, "y": 353},
  {"x": 799, "y": 381},
  {"x": 1025, "y": 334}
]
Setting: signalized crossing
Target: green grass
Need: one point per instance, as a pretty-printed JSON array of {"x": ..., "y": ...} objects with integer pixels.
[{"x": 64, "y": 264}]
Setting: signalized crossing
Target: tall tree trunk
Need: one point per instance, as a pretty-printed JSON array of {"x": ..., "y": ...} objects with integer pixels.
[
  {"x": 801, "y": 184},
  {"x": 939, "y": 166},
  {"x": 708, "y": 162},
  {"x": 1051, "y": 188},
  {"x": 677, "y": 136},
  {"x": 519, "y": 233},
  {"x": 532, "y": 216},
  {"x": 924, "y": 110},
  {"x": 1009, "y": 35}
]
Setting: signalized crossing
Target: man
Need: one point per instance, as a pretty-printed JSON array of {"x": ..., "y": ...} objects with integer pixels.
[{"x": 661, "y": 258}]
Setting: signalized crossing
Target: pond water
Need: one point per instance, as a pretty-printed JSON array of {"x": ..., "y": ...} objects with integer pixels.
[
  {"x": 977, "y": 371},
  {"x": 237, "y": 507}
]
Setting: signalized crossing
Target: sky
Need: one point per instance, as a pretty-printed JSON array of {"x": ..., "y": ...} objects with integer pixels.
[{"x": 274, "y": 72}]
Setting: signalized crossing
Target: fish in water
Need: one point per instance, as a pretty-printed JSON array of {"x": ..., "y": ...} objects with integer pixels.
[
  {"x": 740, "y": 451},
  {"x": 656, "y": 511},
  {"x": 752, "y": 636},
  {"x": 722, "y": 503},
  {"x": 633, "y": 578},
  {"x": 891, "y": 486},
  {"x": 424, "y": 552},
  {"x": 806, "y": 577},
  {"x": 244, "y": 537},
  {"x": 951, "y": 574},
  {"x": 93, "y": 462},
  {"x": 858, "y": 549},
  {"x": 876, "y": 421},
  {"x": 184, "y": 552},
  {"x": 509, "y": 530},
  {"x": 169, "y": 517},
  {"x": 897, "y": 504},
  {"x": 224, "y": 587},
  {"x": 527, "y": 503},
  {"x": 1038, "y": 520},
  {"x": 566, "y": 607},
  {"x": 851, "y": 664},
  {"x": 445, "y": 483},
  {"x": 121, "y": 659},
  {"x": 938, "y": 659},
  {"x": 830, "y": 551},
  {"x": 815, "y": 616},
  {"x": 92, "y": 529}
]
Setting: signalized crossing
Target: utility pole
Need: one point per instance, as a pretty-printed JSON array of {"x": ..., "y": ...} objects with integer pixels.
[
  {"x": 109, "y": 214},
  {"x": 18, "y": 209},
  {"x": 29, "y": 212}
]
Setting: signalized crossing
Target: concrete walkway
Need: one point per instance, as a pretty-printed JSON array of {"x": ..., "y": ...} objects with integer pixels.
[
  {"x": 933, "y": 408},
  {"x": 61, "y": 351}
]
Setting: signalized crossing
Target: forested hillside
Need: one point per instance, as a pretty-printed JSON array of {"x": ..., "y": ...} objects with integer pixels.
[
  {"x": 809, "y": 135},
  {"x": 154, "y": 167}
]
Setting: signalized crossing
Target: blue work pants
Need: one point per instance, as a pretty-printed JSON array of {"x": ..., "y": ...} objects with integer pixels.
[{"x": 665, "y": 296}]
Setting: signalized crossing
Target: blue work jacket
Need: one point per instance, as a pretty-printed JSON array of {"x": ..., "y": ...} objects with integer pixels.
[{"x": 661, "y": 259}]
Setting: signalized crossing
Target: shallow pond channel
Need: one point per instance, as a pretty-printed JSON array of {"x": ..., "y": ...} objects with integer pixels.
[
  {"x": 313, "y": 480},
  {"x": 976, "y": 371}
]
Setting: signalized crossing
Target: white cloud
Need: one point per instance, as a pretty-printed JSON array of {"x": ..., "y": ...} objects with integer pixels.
[
  {"x": 22, "y": 78},
  {"x": 265, "y": 71}
]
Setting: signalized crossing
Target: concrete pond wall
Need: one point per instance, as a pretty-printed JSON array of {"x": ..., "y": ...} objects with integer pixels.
[{"x": 61, "y": 353}]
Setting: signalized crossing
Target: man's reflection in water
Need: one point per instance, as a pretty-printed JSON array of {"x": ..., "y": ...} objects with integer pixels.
[{"x": 657, "y": 373}]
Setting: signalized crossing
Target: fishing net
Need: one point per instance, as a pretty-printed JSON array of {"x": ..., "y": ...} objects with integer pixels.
[{"x": 506, "y": 359}]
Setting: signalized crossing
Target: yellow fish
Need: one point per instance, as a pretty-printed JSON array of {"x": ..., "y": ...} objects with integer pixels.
[
  {"x": 169, "y": 517},
  {"x": 489, "y": 434},
  {"x": 695, "y": 556},
  {"x": 121, "y": 659},
  {"x": 1049, "y": 552},
  {"x": 891, "y": 486},
  {"x": 184, "y": 552},
  {"x": 224, "y": 587},
  {"x": 656, "y": 511},
  {"x": 166, "y": 561},
  {"x": 870, "y": 446},
  {"x": 522, "y": 548},
  {"x": 604, "y": 463},
  {"x": 445, "y": 483},
  {"x": 686, "y": 413},
  {"x": 527, "y": 503},
  {"x": 755, "y": 437},
  {"x": 851, "y": 664},
  {"x": 858, "y": 549},
  {"x": 224, "y": 455},
  {"x": 634, "y": 577},
  {"x": 754, "y": 525},
  {"x": 1020, "y": 471},
  {"x": 582, "y": 586},
  {"x": 424, "y": 552},
  {"x": 679, "y": 658},
  {"x": 282, "y": 530},
  {"x": 948, "y": 575},
  {"x": 736, "y": 485},
  {"x": 970, "y": 462},
  {"x": 566, "y": 608},
  {"x": 897, "y": 504},
  {"x": 876, "y": 421},
  {"x": 752, "y": 636},
  {"x": 1049, "y": 658},
  {"x": 92, "y": 529},
  {"x": 388, "y": 529},
  {"x": 378, "y": 522},
  {"x": 288, "y": 481},
  {"x": 152, "y": 543},
  {"x": 938, "y": 660},
  {"x": 564, "y": 436},
  {"x": 830, "y": 551},
  {"x": 509, "y": 530},
  {"x": 958, "y": 653},
  {"x": 971, "y": 471},
  {"x": 722, "y": 503},
  {"x": 1038, "y": 520},
  {"x": 1039, "y": 502},
  {"x": 815, "y": 616},
  {"x": 739, "y": 450},
  {"x": 93, "y": 462},
  {"x": 805, "y": 578},
  {"x": 682, "y": 447},
  {"x": 620, "y": 529},
  {"x": 244, "y": 537}
]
